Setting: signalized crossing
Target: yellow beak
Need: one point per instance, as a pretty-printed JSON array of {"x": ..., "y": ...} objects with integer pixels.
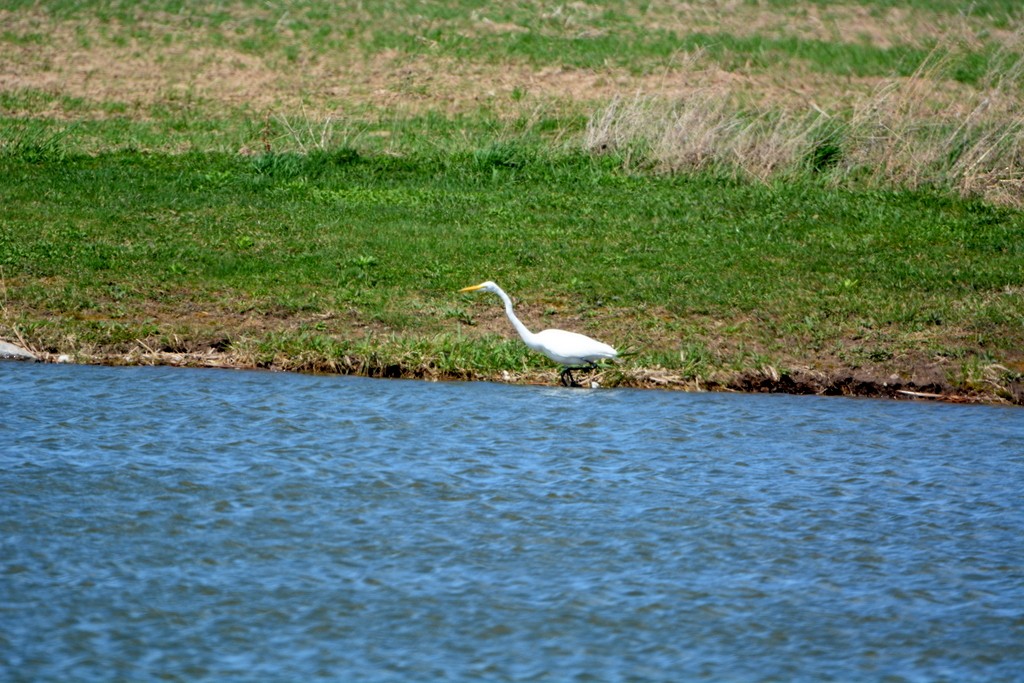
[{"x": 471, "y": 289}]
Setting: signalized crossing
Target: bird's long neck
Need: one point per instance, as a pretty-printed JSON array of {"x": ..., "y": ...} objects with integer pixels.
[{"x": 516, "y": 323}]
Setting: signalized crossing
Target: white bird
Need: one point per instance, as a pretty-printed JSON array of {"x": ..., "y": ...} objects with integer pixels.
[{"x": 570, "y": 349}]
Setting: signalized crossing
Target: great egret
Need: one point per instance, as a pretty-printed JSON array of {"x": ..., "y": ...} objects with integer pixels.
[{"x": 570, "y": 349}]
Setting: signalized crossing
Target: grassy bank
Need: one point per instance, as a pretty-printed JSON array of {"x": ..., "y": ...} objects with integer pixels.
[
  {"x": 859, "y": 238},
  {"x": 339, "y": 261}
]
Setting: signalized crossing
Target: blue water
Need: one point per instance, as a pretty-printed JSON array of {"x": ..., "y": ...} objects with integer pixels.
[{"x": 200, "y": 525}]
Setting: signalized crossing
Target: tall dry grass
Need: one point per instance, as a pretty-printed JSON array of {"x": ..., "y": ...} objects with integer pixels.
[{"x": 912, "y": 132}]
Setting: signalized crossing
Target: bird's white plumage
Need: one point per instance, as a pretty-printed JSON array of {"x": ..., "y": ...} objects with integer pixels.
[
  {"x": 571, "y": 348},
  {"x": 566, "y": 348}
]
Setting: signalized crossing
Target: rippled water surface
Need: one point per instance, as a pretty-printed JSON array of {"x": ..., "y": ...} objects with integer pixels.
[{"x": 167, "y": 524}]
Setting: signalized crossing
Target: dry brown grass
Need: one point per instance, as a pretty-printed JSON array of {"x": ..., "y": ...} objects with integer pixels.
[
  {"x": 707, "y": 130},
  {"x": 906, "y": 132},
  {"x": 903, "y": 135}
]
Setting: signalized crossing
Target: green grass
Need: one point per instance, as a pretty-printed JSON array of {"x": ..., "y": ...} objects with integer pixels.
[{"x": 115, "y": 246}]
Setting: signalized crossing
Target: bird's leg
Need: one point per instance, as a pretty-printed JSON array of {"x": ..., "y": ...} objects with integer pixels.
[{"x": 567, "y": 373}]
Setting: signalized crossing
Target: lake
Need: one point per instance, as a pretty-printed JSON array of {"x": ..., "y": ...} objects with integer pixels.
[{"x": 201, "y": 525}]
